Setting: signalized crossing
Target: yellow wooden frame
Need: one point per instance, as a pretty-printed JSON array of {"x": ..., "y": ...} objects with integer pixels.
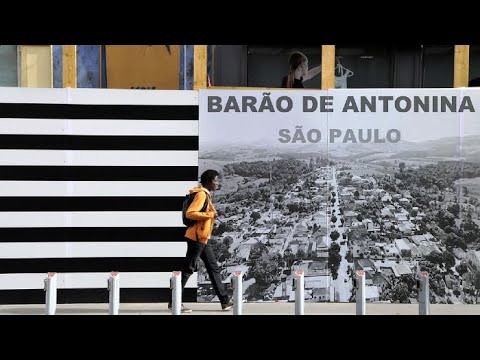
[
  {"x": 69, "y": 66},
  {"x": 461, "y": 65}
]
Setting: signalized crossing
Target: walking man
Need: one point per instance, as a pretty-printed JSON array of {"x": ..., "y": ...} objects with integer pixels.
[{"x": 197, "y": 237}]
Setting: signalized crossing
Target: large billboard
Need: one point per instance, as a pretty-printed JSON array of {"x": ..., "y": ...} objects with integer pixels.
[{"x": 330, "y": 182}]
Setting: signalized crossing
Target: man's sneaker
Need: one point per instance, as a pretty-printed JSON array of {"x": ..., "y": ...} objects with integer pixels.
[
  {"x": 183, "y": 309},
  {"x": 227, "y": 306}
]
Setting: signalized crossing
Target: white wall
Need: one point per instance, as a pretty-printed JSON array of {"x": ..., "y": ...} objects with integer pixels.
[{"x": 91, "y": 181}]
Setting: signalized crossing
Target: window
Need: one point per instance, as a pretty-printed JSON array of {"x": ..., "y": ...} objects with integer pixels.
[
  {"x": 267, "y": 65},
  {"x": 36, "y": 66},
  {"x": 474, "y": 71},
  {"x": 369, "y": 67},
  {"x": 8, "y": 65},
  {"x": 438, "y": 66}
]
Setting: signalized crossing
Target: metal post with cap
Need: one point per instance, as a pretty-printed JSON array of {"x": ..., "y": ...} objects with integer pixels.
[
  {"x": 176, "y": 286},
  {"x": 237, "y": 292},
  {"x": 423, "y": 294},
  {"x": 51, "y": 293},
  {"x": 360, "y": 296},
  {"x": 299, "y": 285},
  {"x": 113, "y": 285}
]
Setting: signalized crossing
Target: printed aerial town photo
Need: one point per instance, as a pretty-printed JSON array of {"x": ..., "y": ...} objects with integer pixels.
[{"x": 333, "y": 208}]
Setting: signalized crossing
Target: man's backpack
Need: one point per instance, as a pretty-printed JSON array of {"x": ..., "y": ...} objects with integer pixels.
[{"x": 186, "y": 203}]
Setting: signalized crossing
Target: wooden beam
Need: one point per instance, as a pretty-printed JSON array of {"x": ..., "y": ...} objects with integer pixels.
[
  {"x": 461, "y": 65},
  {"x": 328, "y": 67},
  {"x": 69, "y": 66},
  {"x": 199, "y": 67}
]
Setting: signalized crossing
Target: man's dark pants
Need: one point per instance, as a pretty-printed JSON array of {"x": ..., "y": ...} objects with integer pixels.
[{"x": 196, "y": 250}]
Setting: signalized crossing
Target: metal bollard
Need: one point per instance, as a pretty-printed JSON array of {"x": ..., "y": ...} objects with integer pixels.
[
  {"x": 176, "y": 286},
  {"x": 51, "y": 293},
  {"x": 299, "y": 285},
  {"x": 360, "y": 298},
  {"x": 423, "y": 294},
  {"x": 237, "y": 292},
  {"x": 113, "y": 285}
]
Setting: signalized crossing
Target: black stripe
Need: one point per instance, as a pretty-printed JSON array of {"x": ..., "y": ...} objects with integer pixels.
[
  {"x": 80, "y": 142},
  {"x": 98, "y": 264},
  {"x": 93, "y": 296},
  {"x": 93, "y": 234},
  {"x": 92, "y": 203},
  {"x": 100, "y": 173},
  {"x": 88, "y": 111}
]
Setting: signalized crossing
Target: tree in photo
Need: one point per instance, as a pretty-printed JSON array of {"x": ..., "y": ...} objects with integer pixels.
[
  {"x": 399, "y": 293},
  {"x": 474, "y": 280},
  {"x": 264, "y": 270},
  {"x": 255, "y": 216},
  {"x": 220, "y": 248},
  {"x": 257, "y": 251},
  {"x": 334, "y": 235},
  {"x": 334, "y": 259}
]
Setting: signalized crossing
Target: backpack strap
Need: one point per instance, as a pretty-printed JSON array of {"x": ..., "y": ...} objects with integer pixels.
[
  {"x": 203, "y": 209},
  {"x": 205, "y": 205}
]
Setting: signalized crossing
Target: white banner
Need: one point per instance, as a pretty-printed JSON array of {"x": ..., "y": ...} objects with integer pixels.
[{"x": 330, "y": 182}]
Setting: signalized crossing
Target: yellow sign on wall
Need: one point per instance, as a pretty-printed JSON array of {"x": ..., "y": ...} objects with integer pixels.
[{"x": 143, "y": 66}]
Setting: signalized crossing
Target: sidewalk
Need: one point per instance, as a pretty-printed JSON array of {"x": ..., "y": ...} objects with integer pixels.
[{"x": 248, "y": 309}]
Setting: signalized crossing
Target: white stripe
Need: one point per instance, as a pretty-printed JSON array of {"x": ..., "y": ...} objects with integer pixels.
[
  {"x": 99, "y": 96},
  {"x": 41, "y": 250},
  {"x": 31, "y": 95},
  {"x": 91, "y": 280},
  {"x": 95, "y": 188},
  {"x": 92, "y": 219},
  {"x": 32, "y": 126},
  {"x": 99, "y": 158},
  {"x": 99, "y": 127},
  {"x": 133, "y": 97},
  {"x": 135, "y": 127}
]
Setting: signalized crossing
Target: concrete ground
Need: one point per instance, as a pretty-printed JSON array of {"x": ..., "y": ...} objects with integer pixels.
[{"x": 248, "y": 309}]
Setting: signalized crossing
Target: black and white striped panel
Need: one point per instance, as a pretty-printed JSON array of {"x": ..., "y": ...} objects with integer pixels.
[{"x": 92, "y": 181}]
